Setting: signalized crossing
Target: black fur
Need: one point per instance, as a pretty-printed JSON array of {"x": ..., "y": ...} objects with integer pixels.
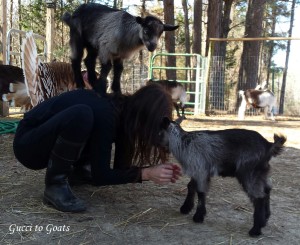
[
  {"x": 239, "y": 153},
  {"x": 9, "y": 74}
]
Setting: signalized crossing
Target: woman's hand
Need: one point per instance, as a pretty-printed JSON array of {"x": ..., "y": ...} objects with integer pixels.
[{"x": 162, "y": 173}]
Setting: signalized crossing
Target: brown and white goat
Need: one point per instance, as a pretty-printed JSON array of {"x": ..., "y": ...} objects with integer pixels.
[
  {"x": 257, "y": 99},
  {"x": 240, "y": 153},
  {"x": 177, "y": 92},
  {"x": 13, "y": 88},
  {"x": 9, "y": 74}
]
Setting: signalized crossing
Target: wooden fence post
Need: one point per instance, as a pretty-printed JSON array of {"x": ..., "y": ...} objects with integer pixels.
[{"x": 4, "y": 29}]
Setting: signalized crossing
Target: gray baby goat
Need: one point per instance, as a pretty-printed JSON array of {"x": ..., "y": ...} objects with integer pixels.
[
  {"x": 239, "y": 153},
  {"x": 112, "y": 35}
]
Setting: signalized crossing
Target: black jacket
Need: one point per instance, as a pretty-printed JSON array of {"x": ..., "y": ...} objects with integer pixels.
[{"x": 100, "y": 141}]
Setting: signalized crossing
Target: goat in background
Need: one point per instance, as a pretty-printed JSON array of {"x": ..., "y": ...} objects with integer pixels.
[
  {"x": 177, "y": 92},
  {"x": 257, "y": 99},
  {"x": 239, "y": 153},
  {"x": 112, "y": 35},
  {"x": 12, "y": 87}
]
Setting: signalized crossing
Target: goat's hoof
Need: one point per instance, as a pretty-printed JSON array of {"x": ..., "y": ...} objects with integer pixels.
[
  {"x": 198, "y": 218},
  {"x": 185, "y": 209},
  {"x": 254, "y": 232}
]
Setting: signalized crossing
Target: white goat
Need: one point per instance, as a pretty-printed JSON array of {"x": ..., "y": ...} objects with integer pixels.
[{"x": 258, "y": 99}]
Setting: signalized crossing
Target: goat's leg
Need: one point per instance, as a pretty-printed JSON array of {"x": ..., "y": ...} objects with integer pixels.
[
  {"x": 271, "y": 108},
  {"x": 242, "y": 110},
  {"x": 90, "y": 63},
  {"x": 118, "y": 69},
  {"x": 266, "y": 111},
  {"x": 267, "y": 203},
  {"x": 182, "y": 110},
  {"x": 259, "y": 216},
  {"x": 100, "y": 85},
  {"x": 77, "y": 47},
  {"x": 201, "y": 209},
  {"x": 189, "y": 201},
  {"x": 177, "y": 108}
]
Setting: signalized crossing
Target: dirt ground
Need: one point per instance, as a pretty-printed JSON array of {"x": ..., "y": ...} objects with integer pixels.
[{"x": 149, "y": 214}]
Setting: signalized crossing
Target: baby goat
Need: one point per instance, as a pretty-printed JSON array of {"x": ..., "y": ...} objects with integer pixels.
[
  {"x": 258, "y": 99},
  {"x": 178, "y": 93},
  {"x": 239, "y": 153},
  {"x": 112, "y": 35}
]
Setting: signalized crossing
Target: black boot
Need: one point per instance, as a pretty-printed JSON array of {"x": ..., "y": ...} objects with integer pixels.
[
  {"x": 58, "y": 192},
  {"x": 81, "y": 174}
]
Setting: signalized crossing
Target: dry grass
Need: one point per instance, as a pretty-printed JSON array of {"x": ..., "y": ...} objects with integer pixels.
[{"x": 149, "y": 214}]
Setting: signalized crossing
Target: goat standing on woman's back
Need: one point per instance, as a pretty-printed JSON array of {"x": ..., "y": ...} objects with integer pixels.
[
  {"x": 112, "y": 35},
  {"x": 239, "y": 153}
]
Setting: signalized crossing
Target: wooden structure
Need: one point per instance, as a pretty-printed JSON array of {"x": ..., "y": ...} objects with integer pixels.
[
  {"x": 50, "y": 32},
  {"x": 4, "y": 29}
]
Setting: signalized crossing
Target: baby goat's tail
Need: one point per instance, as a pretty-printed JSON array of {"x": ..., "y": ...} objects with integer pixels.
[{"x": 277, "y": 146}]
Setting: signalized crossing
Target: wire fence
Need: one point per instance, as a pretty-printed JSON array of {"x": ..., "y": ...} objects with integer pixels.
[{"x": 134, "y": 77}]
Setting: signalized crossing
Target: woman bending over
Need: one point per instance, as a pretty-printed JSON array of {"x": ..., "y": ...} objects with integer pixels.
[{"x": 77, "y": 129}]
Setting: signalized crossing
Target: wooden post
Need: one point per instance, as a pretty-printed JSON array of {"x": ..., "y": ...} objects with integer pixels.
[
  {"x": 4, "y": 109},
  {"x": 50, "y": 33},
  {"x": 4, "y": 29}
]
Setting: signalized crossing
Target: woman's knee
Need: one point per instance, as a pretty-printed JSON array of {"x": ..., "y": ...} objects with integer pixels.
[{"x": 81, "y": 120}]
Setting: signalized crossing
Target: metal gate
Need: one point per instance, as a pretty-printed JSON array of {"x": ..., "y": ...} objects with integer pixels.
[
  {"x": 13, "y": 46},
  {"x": 192, "y": 77}
]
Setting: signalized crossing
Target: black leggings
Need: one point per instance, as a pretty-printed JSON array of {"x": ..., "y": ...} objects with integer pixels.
[{"x": 33, "y": 145}]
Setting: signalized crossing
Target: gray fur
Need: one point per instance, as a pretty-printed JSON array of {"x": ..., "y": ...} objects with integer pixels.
[
  {"x": 239, "y": 153},
  {"x": 111, "y": 35},
  {"x": 112, "y": 40}
]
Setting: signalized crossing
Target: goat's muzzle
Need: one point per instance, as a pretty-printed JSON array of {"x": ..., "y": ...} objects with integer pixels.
[{"x": 151, "y": 47}]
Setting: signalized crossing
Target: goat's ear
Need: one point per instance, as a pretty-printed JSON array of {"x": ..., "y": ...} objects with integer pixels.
[
  {"x": 165, "y": 123},
  {"x": 168, "y": 27},
  {"x": 139, "y": 20}
]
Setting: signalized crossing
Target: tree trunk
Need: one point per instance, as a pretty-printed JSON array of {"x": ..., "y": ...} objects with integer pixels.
[
  {"x": 226, "y": 21},
  {"x": 170, "y": 39},
  {"x": 197, "y": 27},
  {"x": 4, "y": 29},
  {"x": 216, "y": 80},
  {"x": 249, "y": 68},
  {"x": 283, "y": 85},
  {"x": 20, "y": 26},
  {"x": 197, "y": 40},
  {"x": 187, "y": 39},
  {"x": 271, "y": 48},
  {"x": 141, "y": 54},
  {"x": 214, "y": 19}
]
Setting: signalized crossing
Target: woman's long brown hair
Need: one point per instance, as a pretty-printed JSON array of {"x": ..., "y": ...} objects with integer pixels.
[{"x": 140, "y": 123}]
